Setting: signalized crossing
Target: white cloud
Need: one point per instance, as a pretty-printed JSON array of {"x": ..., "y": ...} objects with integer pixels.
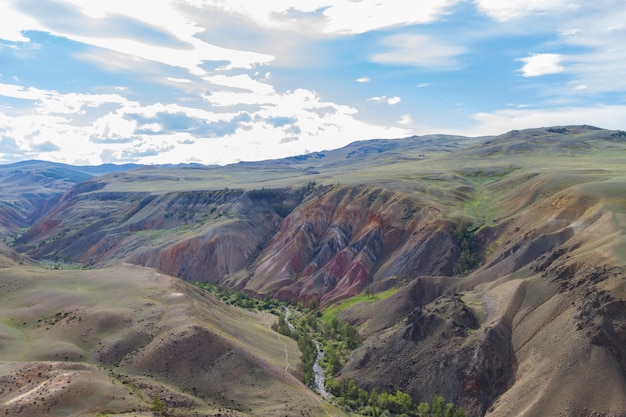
[
  {"x": 52, "y": 102},
  {"x": 406, "y": 120},
  {"x": 541, "y": 64},
  {"x": 418, "y": 51},
  {"x": 17, "y": 91},
  {"x": 14, "y": 23},
  {"x": 178, "y": 80},
  {"x": 389, "y": 100},
  {"x": 242, "y": 83},
  {"x": 504, "y": 10},
  {"x": 604, "y": 116},
  {"x": 190, "y": 59},
  {"x": 363, "y": 16},
  {"x": 333, "y": 17},
  {"x": 223, "y": 115},
  {"x": 599, "y": 33},
  {"x": 161, "y": 33},
  {"x": 170, "y": 133}
]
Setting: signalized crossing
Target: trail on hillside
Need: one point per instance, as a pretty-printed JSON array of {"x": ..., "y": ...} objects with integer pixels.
[
  {"x": 287, "y": 365},
  {"x": 56, "y": 382}
]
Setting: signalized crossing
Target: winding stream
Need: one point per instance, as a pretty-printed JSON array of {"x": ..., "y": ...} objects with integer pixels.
[
  {"x": 287, "y": 311},
  {"x": 319, "y": 372},
  {"x": 320, "y": 379}
]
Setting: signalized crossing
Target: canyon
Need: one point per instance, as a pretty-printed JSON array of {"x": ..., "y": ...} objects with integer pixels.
[{"x": 504, "y": 258}]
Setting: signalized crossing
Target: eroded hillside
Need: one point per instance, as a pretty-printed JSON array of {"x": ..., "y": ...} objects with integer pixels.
[
  {"x": 110, "y": 341},
  {"x": 507, "y": 254}
]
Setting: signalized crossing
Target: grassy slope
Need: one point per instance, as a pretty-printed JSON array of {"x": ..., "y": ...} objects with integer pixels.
[
  {"x": 385, "y": 163},
  {"x": 335, "y": 310},
  {"x": 96, "y": 341}
]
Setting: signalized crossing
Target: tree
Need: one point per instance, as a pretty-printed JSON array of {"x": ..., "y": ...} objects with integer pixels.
[
  {"x": 333, "y": 359},
  {"x": 373, "y": 397},
  {"x": 436, "y": 406},
  {"x": 448, "y": 410},
  {"x": 281, "y": 326},
  {"x": 423, "y": 409},
  {"x": 158, "y": 406},
  {"x": 404, "y": 400}
]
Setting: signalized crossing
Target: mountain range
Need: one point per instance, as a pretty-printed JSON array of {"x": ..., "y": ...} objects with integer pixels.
[{"x": 494, "y": 269}]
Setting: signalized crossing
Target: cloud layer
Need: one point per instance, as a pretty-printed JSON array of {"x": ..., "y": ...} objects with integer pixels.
[{"x": 217, "y": 82}]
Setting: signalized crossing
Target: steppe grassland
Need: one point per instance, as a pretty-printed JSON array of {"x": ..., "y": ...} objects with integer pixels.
[
  {"x": 35, "y": 299},
  {"x": 63, "y": 317}
]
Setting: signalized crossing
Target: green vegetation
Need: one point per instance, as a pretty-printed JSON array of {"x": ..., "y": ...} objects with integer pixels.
[
  {"x": 337, "y": 339},
  {"x": 333, "y": 311},
  {"x": 158, "y": 406},
  {"x": 281, "y": 326},
  {"x": 10, "y": 239},
  {"x": 308, "y": 351},
  {"x": 280, "y": 201},
  {"x": 306, "y": 190},
  {"x": 469, "y": 257},
  {"x": 64, "y": 263},
  {"x": 240, "y": 299},
  {"x": 373, "y": 403}
]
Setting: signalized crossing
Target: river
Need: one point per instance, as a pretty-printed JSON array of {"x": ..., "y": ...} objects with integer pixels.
[{"x": 320, "y": 379}]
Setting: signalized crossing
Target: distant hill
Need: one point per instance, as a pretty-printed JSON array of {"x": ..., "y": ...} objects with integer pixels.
[{"x": 28, "y": 188}]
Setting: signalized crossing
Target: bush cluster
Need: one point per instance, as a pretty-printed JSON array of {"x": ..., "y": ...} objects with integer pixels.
[
  {"x": 372, "y": 403},
  {"x": 243, "y": 300}
]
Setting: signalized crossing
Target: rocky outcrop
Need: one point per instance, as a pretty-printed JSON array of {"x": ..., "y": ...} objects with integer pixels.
[
  {"x": 338, "y": 243},
  {"x": 265, "y": 242},
  {"x": 506, "y": 339}
]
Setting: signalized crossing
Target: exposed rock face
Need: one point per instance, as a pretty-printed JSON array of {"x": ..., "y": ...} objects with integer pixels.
[
  {"x": 336, "y": 244},
  {"x": 330, "y": 247},
  {"x": 439, "y": 349},
  {"x": 546, "y": 301}
]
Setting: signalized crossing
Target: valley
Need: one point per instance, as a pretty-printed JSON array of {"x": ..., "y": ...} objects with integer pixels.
[{"x": 489, "y": 271}]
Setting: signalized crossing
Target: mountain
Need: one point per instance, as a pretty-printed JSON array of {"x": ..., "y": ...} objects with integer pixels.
[
  {"x": 29, "y": 188},
  {"x": 494, "y": 265}
]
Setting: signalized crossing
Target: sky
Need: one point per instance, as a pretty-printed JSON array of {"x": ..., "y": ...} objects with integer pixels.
[{"x": 89, "y": 82}]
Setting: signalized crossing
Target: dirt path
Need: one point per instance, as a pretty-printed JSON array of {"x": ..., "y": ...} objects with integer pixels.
[
  {"x": 287, "y": 365},
  {"x": 26, "y": 394},
  {"x": 38, "y": 387}
]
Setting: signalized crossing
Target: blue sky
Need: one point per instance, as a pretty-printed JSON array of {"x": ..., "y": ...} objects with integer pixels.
[{"x": 220, "y": 81}]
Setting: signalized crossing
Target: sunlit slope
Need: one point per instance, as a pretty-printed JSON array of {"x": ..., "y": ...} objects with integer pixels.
[{"x": 109, "y": 341}]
